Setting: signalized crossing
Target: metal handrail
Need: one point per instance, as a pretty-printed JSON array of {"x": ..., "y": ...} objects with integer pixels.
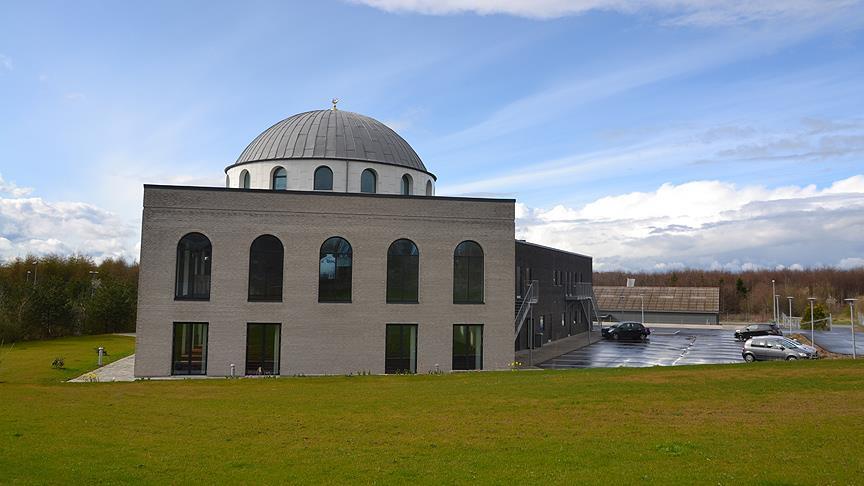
[{"x": 531, "y": 297}]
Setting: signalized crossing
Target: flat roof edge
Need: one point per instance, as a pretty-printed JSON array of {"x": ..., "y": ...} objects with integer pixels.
[
  {"x": 524, "y": 242},
  {"x": 324, "y": 193}
]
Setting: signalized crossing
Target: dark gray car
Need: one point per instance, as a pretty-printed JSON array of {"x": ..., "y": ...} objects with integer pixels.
[{"x": 765, "y": 348}]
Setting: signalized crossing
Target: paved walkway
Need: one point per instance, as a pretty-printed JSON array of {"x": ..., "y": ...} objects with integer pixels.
[
  {"x": 120, "y": 370},
  {"x": 838, "y": 340}
]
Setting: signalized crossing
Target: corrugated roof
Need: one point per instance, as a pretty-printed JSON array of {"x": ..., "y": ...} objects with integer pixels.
[
  {"x": 659, "y": 299},
  {"x": 332, "y": 134}
]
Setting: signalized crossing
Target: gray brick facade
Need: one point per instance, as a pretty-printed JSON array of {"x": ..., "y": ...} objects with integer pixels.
[{"x": 320, "y": 338}]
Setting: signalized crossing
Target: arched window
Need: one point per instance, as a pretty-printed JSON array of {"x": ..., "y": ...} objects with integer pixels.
[
  {"x": 368, "y": 181},
  {"x": 244, "y": 180},
  {"x": 428, "y": 188},
  {"x": 323, "y": 179},
  {"x": 403, "y": 272},
  {"x": 192, "y": 280},
  {"x": 468, "y": 273},
  {"x": 280, "y": 179},
  {"x": 227, "y": 180},
  {"x": 334, "y": 271},
  {"x": 406, "y": 185},
  {"x": 265, "y": 269}
]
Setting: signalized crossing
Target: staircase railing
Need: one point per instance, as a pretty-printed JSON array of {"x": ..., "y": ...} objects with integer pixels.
[{"x": 531, "y": 295}]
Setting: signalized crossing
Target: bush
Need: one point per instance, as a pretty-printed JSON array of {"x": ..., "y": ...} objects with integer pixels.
[{"x": 59, "y": 363}]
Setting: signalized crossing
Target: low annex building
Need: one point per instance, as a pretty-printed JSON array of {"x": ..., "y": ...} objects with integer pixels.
[
  {"x": 661, "y": 305},
  {"x": 326, "y": 253}
]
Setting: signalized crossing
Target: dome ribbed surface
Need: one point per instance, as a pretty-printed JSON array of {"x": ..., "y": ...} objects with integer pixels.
[{"x": 332, "y": 134}]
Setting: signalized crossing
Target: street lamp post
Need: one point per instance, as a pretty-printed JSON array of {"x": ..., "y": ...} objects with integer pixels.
[
  {"x": 812, "y": 323},
  {"x": 34, "y": 272},
  {"x": 642, "y": 298},
  {"x": 774, "y": 300},
  {"x": 852, "y": 318},
  {"x": 789, "y": 317}
]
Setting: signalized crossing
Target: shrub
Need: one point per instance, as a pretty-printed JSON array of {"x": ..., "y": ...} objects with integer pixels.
[{"x": 59, "y": 363}]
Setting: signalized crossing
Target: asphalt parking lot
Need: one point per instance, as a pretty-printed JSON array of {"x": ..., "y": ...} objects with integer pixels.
[
  {"x": 838, "y": 340},
  {"x": 665, "y": 347}
]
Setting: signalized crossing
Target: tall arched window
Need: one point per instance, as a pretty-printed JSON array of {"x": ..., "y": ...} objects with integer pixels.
[
  {"x": 406, "y": 185},
  {"x": 468, "y": 273},
  {"x": 334, "y": 271},
  {"x": 265, "y": 269},
  {"x": 368, "y": 181},
  {"x": 227, "y": 180},
  {"x": 323, "y": 179},
  {"x": 428, "y": 188},
  {"x": 280, "y": 179},
  {"x": 192, "y": 279},
  {"x": 244, "y": 180},
  {"x": 403, "y": 272}
]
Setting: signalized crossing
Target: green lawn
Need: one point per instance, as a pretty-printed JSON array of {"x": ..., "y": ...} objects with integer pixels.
[
  {"x": 767, "y": 423},
  {"x": 30, "y": 361}
]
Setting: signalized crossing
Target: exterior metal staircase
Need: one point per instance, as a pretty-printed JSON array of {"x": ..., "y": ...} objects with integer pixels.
[
  {"x": 583, "y": 293},
  {"x": 524, "y": 308}
]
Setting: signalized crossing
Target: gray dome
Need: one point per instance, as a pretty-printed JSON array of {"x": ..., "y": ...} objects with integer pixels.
[{"x": 332, "y": 134}]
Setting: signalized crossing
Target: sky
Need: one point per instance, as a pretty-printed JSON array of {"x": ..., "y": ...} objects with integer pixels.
[{"x": 651, "y": 135}]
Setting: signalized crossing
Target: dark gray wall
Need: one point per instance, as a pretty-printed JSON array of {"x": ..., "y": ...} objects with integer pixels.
[{"x": 535, "y": 262}]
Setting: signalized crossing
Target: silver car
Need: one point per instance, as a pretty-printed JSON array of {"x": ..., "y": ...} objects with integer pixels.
[{"x": 764, "y": 348}]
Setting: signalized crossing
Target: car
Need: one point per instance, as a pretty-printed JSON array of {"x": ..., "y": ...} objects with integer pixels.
[
  {"x": 757, "y": 330},
  {"x": 628, "y": 330},
  {"x": 766, "y": 348}
]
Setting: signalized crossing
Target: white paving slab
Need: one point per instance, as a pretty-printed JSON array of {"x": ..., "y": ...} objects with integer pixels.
[{"x": 120, "y": 370}]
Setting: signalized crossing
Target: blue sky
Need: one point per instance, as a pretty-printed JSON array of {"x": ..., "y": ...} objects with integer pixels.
[{"x": 725, "y": 118}]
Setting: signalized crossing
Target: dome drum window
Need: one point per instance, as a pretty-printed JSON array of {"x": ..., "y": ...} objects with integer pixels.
[{"x": 323, "y": 179}]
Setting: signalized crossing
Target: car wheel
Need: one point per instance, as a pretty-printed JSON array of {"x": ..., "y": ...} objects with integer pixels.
[
  {"x": 791, "y": 358},
  {"x": 614, "y": 336},
  {"x": 749, "y": 358}
]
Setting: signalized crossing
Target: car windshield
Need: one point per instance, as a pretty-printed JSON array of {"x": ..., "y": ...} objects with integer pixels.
[{"x": 789, "y": 343}]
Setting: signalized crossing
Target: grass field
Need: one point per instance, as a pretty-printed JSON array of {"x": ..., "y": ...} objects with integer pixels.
[
  {"x": 769, "y": 423},
  {"x": 30, "y": 361}
]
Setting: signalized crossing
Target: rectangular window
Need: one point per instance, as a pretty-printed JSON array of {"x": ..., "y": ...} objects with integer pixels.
[
  {"x": 468, "y": 347},
  {"x": 400, "y": 349},
  {"x": 189, "y": 354},
  {"x": 262, "y": 348}
]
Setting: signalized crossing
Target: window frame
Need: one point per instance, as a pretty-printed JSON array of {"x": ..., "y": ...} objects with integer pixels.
[
  {"x": 277, "y": 358},
  {"x": 415, "y": 258},
  {"x": 467, "y": 300},
  {"x": 406, "y": 185},
  {"x": 413, "y": 365},
  {"x": 245, "y": 180},
  {"x": 208, "y": 269},
  {"x": 463, "y": 356},
  {"x": 318, "y": 170},
  {"x": 350, "y": 253},
  {"x": 374, "y": 181},
  {"x": 204, "y": 354},
  {"x": 266, "y": 297},
  {"x": 274, "y": 175}
]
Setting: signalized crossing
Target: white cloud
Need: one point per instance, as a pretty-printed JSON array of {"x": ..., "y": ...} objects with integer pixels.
[
  {"x": 9, "y": 188},
  {"x": 681, "y": 12},
  {"x": 35, "y": 226},
  {"x": 709, "y": 224}
]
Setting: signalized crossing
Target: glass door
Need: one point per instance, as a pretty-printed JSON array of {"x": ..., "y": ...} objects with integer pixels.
[
  {"x": 262, "y": 349},
  {"x": 401, "y": 349}
]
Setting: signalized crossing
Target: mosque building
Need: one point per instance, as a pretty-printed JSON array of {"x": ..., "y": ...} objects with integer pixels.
[{"x": 328, "y": 252}]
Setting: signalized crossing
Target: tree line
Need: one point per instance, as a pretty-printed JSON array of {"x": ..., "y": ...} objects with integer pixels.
[
  {"x": 747, "y": 295},
  {"x": 53, "y": 296}
]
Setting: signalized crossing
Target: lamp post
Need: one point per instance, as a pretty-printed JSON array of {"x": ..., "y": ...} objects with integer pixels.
[
  {"x": 852, "y": 318},
  {"x": 777, "y": 307},
  {"x": 774, "y": 300},
  {"x": 812, "y": 323},
  {"x": 642, "y": 298},
  {"x": 789, "y": 317},
  {"x": 27, "y": 278},
  {"x": 34, "y": 272}
]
